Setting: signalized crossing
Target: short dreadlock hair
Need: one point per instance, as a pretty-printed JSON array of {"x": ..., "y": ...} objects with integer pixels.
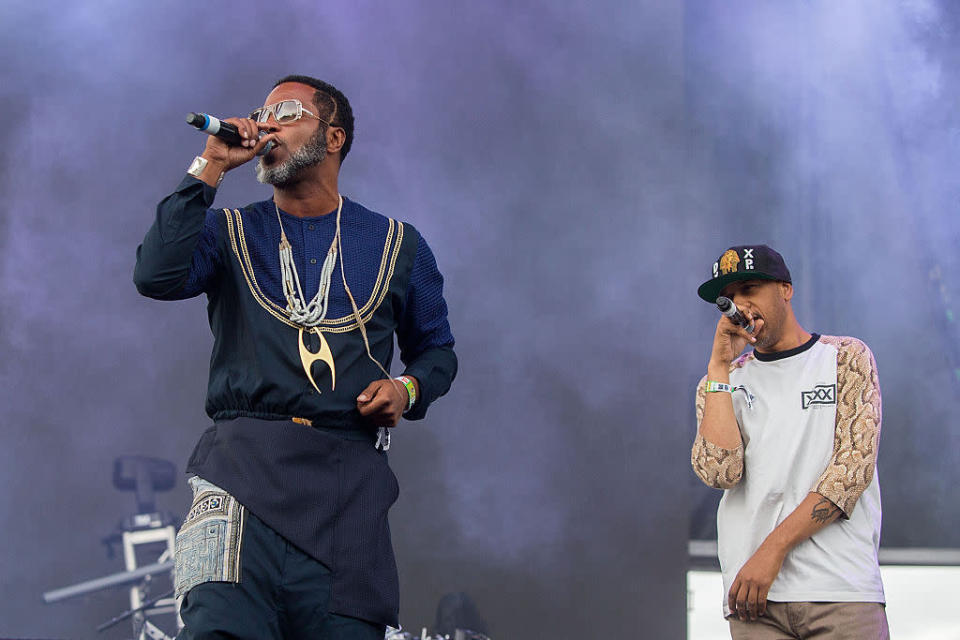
[{"x": 331, "y": 105}]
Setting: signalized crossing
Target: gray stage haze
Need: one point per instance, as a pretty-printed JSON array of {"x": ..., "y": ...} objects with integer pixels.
[{"x": 576, "y": 167}]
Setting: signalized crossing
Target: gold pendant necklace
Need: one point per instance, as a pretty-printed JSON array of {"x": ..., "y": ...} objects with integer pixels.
[
  {"x": 324, "y": 354},
  {"x": 309, "y": 316}
]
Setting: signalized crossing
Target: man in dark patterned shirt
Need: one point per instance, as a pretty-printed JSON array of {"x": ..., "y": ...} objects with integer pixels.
[{"x": 288, "y": 534}]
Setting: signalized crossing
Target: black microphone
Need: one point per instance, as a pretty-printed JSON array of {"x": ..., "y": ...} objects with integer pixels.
[
  {"x": 223, "y": 130},
  {"x": 730, "y": 310}
]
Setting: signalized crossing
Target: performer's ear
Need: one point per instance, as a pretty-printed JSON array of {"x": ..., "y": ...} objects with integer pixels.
[
  {"x": 336, "y": 138},
  {"x": 786, "y": 291}
]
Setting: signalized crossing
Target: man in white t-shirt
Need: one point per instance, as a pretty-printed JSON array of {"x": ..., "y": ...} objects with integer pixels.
[{"x": 790, "y": 431}]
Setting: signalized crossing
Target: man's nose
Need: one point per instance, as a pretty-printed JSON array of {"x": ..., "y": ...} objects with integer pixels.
[{"x": 272, "y": 125}]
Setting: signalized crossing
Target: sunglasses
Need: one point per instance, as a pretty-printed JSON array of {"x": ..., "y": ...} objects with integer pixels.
[{"x": 284, "y": 112}]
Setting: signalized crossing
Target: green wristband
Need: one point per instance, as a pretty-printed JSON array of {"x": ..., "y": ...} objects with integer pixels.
[
  {"x": 411, "y": 391},
  {"x": 715, "y": 387}
]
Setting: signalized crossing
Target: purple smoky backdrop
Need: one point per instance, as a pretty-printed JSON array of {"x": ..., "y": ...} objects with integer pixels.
[{"x": 576, "y": 168}]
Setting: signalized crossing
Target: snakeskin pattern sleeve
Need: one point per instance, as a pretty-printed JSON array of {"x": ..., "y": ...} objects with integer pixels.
[
  {"x": 718, "y": 467},
  {"x": 857, "y": 432}
]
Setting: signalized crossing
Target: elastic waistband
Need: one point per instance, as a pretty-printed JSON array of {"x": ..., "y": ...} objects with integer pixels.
[
  {"x": 349, "y": 434},
  {"x": 361, "y": 435}
]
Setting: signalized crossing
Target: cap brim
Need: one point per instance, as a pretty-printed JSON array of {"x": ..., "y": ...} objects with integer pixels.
[{"x": 710, "y": 290}]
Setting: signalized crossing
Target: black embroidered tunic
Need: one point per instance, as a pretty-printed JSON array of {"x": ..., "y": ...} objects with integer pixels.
[{"x": 324, "y": 487}]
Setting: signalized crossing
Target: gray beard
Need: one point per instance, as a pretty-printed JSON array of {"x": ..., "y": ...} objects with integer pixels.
[{"x": 287, "y": 172}]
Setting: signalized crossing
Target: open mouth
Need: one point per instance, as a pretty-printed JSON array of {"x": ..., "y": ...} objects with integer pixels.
[{"x": 268, "y": 154}]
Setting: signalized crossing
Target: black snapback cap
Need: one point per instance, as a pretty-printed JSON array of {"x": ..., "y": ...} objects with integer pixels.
[{"x": 745, "y": 262}]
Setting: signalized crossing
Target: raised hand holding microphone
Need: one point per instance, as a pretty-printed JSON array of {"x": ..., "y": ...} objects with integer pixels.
[
  {"x": 224, "y": 130},
  {"x": 729, "y": 309},
  {"x": 236, "y": 142},
  {"x": 735, "y": 329}
]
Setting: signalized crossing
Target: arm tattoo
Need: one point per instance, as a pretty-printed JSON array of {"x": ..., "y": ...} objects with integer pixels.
[{"x": 823, "y": 511}]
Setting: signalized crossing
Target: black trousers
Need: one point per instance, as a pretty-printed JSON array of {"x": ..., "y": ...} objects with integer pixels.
[{"x": 282, "y": 594}]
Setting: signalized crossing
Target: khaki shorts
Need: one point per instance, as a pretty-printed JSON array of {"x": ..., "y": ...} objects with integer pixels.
[{"x": 822, "y": 620}]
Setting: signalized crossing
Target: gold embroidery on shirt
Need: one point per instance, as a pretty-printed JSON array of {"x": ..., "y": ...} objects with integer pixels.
[
  {"x": 247, "y": 264},
  {"x": 388, "y": 259}
]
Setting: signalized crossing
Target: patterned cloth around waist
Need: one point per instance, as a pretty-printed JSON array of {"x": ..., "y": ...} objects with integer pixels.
[
  {"x": 326, "y": 492},
  {"x": 208, "y": 543}
]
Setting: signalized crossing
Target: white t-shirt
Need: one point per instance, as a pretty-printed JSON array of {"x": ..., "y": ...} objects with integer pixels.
[{"x": 796, "y": 441}]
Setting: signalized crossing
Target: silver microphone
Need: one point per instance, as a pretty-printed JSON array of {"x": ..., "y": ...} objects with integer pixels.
[{"x": 729, "y": 309}]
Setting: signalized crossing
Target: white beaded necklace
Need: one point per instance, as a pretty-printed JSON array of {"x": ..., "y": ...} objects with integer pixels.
[
  {"x": 312, "y": 314},
  {"x": 307, "y": 314}
]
